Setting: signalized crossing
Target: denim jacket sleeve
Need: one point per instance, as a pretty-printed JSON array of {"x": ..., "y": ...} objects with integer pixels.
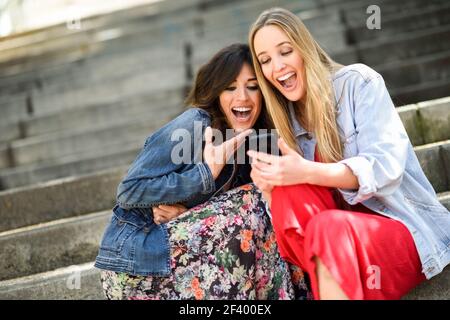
[
  {"x": 380, "y": 141},
  {"x": 154, "y": 178}
]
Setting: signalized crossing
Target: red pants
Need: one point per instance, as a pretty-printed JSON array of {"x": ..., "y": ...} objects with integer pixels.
[{"x": 369, "y": 255}]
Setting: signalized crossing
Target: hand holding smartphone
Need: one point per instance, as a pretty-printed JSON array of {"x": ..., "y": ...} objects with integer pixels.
[{"x": 264, "y": 142}]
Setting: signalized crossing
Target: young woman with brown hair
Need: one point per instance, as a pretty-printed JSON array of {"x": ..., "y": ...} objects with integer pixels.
[{"x": 195, "y": 229}]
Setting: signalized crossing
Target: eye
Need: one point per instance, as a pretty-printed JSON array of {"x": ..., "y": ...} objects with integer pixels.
[
  {"x": 230, "y": 88},
  {"x": 264, "y": 60},
  {"x": 253, "y": 87},
  {"x": 286, "y": 52}
]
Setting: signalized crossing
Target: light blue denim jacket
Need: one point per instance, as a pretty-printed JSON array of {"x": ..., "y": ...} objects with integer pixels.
[
  {"x": 132, "y": 242},
  {"x": 378, "y": 151}
]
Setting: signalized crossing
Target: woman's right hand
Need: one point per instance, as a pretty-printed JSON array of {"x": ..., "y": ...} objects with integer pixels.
[
  {"x": 217, "y": 156},
  {"x": 165, "y": 213}
]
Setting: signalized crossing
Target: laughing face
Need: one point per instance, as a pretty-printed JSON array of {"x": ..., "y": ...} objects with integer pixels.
[
  {"x": 241, "y": 100},
  {"x": 280, "y": 62}
]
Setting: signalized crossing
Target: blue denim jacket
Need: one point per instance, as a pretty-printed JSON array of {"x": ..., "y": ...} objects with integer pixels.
[
  {"x": 378, "y": 151},
  {"x": 132, "y": 243}
]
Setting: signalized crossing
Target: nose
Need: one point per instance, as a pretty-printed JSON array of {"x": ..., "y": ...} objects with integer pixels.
[
  {"x": 278, "y": 64},
  {"x": 242, "y": 94}
]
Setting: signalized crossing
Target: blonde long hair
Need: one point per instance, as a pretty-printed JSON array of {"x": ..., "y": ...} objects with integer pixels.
[{"x": 318, "y": 114}]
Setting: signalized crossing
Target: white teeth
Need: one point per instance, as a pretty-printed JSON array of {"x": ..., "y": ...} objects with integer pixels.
[
  {"x": 286, "y": 76},
  {"x": 241, "y": 109}
]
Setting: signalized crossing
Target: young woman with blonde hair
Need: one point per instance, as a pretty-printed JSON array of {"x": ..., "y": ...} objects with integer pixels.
[{"x": 350, "y": 203}]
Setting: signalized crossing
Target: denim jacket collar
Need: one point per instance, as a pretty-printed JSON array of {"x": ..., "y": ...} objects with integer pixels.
[{"x": 296, "y": 126}]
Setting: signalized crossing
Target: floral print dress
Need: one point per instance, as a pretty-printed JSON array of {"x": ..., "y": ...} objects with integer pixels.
[{"x": 224, "y": 248}]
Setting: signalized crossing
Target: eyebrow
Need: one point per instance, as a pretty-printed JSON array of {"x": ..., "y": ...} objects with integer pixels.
[
  {"x": 249, "y": 79},
  {"x": 280, "y": 44}
]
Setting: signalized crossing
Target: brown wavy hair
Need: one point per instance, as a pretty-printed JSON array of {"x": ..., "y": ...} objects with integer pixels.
[{"x": 214, "y": 77}]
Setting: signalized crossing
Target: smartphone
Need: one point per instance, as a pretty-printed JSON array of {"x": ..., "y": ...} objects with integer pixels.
[{"x": 265, "y": 142}]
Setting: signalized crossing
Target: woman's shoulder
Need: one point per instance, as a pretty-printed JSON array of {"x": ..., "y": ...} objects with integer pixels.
[
  {"x": 189, "y": 117},
  {"x": 357, "y": 72},
  {"x": 187, "y": 120},
  {"x": 192, "y": 114}
]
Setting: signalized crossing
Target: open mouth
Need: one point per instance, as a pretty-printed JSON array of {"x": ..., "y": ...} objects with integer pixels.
[
  {"x": 242, "y": 114},
  {"x": 288, "y": 80}
]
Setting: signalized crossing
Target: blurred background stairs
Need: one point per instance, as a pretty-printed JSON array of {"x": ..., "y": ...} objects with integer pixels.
[{"x": 77, "y": 104}]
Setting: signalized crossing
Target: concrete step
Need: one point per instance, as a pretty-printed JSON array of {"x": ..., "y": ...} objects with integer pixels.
[
  {"x": 156, "y": 11},
  {"x": 73, "y": 165},
  {"x": 434, "y": 159},
  {"x": 83, "y": 282},
  {"x": 5, "y": 155},
  {"x": 51, "y": 245},
  {"x": 174, "y": 29},
  {"x": 224, "y": 13},
  {"x": 102, "y": 64},
  {"x": 48, "y": 201},
  {"x": 60, "y": 198},
  {"x": 444, "y": 198},
  {"x": 434, "y": 67},
  {"x": 413, "y": 115},
  {"x": 355, "y": 13},
  {"x": 160, "y": 28},
  {"x": 77, "y": 282},
  {"x": 421, "y": 91},
  {"x": 58, "y": 144},
  {"x": 427, "y": 121},
  {"x": 251, "y": 7},
  {"x": 128, "y": 57},
  {"x": 110, "y": 44},
  {"x": 132, "y": 89},
  {"x": 405, "y": 46},
  {"x": 330, "y": 47},
  {"x": 14, "y": 108},
  {"x": 346, "y": 56},
  {"x": 241, "y": 15},
  {"x": 9, "y": 132},
  {"x": 123, "y": 63},
  {"x": 44, "y": 75},
  {"x": 137, "y": 84},
  {"x": 99, "y": 114},
  {"x": 19, "y": 123},
  {"x": 403, "y": 22},
  {"x": 437, "y": 288},
  {"x": 333, "y": 41}
]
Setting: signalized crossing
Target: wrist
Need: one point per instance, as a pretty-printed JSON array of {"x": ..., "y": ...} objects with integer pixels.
[
  {"x": 311, "y": 172},
  {"x": 214, "y": 171}
]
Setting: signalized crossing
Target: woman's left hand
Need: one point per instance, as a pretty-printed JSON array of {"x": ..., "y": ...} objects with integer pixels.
[
  {"x": 288, "y": 169},
  {"x": 165, "y": 213}
]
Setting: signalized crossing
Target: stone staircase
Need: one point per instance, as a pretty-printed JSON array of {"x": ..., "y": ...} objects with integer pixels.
[{"x": 76, "y": 106}]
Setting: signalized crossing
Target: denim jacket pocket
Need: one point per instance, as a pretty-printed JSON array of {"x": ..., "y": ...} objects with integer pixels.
[
  {"x": 117, "y": 234},
  {"x": 134, "y": 245}
]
